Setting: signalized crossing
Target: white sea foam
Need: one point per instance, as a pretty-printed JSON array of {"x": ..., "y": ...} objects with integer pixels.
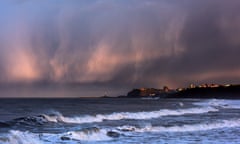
[
  {"x": 185, "y": 128},
  {"x": 100, "y": 135},
  {"x": 19, "y": 137},
  {"x": 128, "y": 115},
  {"x": 227, "y": 104},
  {"x": 71, "y": 136}
]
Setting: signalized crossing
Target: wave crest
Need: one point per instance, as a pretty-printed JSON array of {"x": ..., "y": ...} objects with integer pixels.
[
  {"x": 128, "y": 115},
  {"x": 184, "y": 128},
  {"x": 19, "y": 137},
  {"x": 226, "y": 104}
]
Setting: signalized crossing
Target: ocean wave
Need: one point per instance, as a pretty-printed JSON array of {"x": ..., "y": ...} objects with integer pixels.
[
  {"x": 227, "y": 104},
  {"x": 94, "y": 134},
  {"x": 183, "y": 128},
  {"x": 19, "y": 137},
  {"x": 87, "y": 134},
  {"x": 25, "y": 121},
  {"x": 30, "y": 120},
  {"x": 4, "y": 125},
  {"x": 58, "y": 117}
]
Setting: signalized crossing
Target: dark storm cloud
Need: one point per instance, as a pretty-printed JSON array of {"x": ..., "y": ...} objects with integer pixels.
[
  {"x": 209, "y": 54},
  {"x": 119, "y": 43},
  {"x": 208, "y": 49}
]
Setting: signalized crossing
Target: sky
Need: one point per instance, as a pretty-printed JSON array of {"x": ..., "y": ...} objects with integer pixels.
[{"x": 64, "y": 48}]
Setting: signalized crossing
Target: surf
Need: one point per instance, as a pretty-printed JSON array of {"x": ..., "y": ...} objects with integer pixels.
[
  {"x": 184, "y": 128},
  {"x": 96, "y": 134},
  {"x": 58, "y": 117}
]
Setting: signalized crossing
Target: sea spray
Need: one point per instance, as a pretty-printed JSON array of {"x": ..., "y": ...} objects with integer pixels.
[
  {"x": 183, "y": 128},
  {"x": 19, "y": 137},
  {"x": 128, "y": 115},
  {"x": 220, "y": 103}
]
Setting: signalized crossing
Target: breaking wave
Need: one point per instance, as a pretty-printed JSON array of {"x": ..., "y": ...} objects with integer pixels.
[
  {"x": 88, "y": 134},
  {"x": 19, "y": 137},
  {"x": 27, "y": 121},
  {"x": 30, "y": 120},
  {"x": 184, "y": 128},
  {"x": 95, "y": 134},
  {"x": 57, "y": 117},
  {"x": 227, "y": 104},
  {"x": 128, "y": 115}
]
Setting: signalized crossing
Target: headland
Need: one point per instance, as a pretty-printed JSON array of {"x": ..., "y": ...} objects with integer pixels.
[{"x": 204, "y": 91}]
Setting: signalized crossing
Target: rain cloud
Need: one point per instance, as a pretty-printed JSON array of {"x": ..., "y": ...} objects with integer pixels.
[{"x": 119, "y": 45}]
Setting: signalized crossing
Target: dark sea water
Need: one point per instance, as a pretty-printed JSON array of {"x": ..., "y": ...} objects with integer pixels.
[{"x": 122, "y": 121}]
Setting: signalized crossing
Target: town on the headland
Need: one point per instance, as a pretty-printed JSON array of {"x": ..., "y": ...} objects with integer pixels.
[{"x": 228, "y": 91}]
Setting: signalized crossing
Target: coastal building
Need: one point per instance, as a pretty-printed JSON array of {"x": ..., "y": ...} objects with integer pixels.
[
  {"x": 150, "y": 92},
  {"x": 192, "y": 86}
]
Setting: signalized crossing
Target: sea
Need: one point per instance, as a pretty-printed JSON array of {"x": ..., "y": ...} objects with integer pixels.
[{"x": 119, "y": 121}]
